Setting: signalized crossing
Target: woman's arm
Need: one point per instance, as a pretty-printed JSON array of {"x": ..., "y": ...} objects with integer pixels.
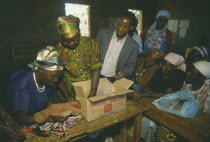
[
  {"x": 65, "y": 92},
  {"x": 24, "y": 117},
  {"x": 94, "y": 81}
]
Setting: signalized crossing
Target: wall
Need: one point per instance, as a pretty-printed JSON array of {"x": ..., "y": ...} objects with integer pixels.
[
  {"x": 197, "y": 12},
  {"x": 24, "y": 21},
  {"x": 102, "y": 10},
  {"x": 31, "y": 20},
  {"x": 35, "y": 20}
]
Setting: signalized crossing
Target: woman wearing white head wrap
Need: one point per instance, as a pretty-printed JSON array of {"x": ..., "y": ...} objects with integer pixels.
[
  {"x": 175, "y": 59},
  {"x": 197, "y": 53},
  {"x": 167, "y": 79},
  {"x": 164, "y": 13},
  {"x": 157, "y": 35},
  {"x": 198, "y": 74}
]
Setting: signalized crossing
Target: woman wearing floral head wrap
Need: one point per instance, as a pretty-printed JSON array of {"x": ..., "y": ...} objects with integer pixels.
[
  {"x": 168, "y": 79},
  {"x": 157, "y": 35},
  {"x": 27, "y": 91}
]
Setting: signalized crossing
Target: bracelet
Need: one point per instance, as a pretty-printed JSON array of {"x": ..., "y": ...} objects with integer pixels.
[{"x": 93, "y": 89}]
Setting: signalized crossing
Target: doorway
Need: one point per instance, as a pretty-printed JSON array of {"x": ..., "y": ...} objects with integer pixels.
[
  {"x": 138, "y": 14},
  {"x": 83, "y": 13}
]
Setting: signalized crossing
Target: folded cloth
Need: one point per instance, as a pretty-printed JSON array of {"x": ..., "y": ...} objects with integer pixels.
[
  {"x": 62, "y": 109},
  {"x": 47, "y": 129}
]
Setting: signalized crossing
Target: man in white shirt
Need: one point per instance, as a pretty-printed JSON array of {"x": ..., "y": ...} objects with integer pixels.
[{"x": 118, "y": 50}]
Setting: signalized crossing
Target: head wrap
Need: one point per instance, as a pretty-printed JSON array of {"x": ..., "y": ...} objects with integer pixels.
[
  {"x": 202, "y": 50},
  {"x": 203, "y": 67},
  {"x": 165, "y": 13},
  {"x": 68, "y": 26},
  {"x": 174, "y": 59},
  {"x": 48, "y": 59}
]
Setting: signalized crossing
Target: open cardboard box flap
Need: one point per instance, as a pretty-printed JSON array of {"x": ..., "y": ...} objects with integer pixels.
[{"x": 105, "y": 88}]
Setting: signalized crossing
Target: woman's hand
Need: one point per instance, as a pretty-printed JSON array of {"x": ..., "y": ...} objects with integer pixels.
[
  {"x": 119, "y": 75},
  {"x": 6, "y": 118},
  {"x": 8, "y": 134}
]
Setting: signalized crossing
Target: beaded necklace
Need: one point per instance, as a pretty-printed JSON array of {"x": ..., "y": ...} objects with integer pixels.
[{"x": 39, "y": 89}]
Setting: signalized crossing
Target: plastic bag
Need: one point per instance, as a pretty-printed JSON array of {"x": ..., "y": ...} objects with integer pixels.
[{"x": 181, "y": 103}]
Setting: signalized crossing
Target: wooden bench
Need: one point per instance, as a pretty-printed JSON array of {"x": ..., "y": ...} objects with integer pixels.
[{"x": 195, "y": 129}]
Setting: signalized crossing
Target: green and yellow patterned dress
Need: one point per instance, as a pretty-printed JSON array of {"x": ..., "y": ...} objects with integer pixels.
[{"x": 79, "y": 62}]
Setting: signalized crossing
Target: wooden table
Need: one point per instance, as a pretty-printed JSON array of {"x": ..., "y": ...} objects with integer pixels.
[
  {"x": 83, "y": 128},
  {"x": 195, "y": 129}
]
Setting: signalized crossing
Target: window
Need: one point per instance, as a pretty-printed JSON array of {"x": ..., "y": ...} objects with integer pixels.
[
  {"x": 138, "y": 14},
  {"x": 83, "y": 13}
]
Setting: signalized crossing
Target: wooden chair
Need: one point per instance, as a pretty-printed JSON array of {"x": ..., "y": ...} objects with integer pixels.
[{"x": 24, "y": 53}]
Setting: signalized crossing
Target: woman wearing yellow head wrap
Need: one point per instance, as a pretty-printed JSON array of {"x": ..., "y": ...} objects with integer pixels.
[
  {"x": 68, "y": 26},
  {"x": 79, "y": 54}
]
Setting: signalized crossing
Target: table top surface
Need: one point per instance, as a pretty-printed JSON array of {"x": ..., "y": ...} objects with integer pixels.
[
  {"x": 133, "y": 108},
  {"x": 196, "y": 128}
]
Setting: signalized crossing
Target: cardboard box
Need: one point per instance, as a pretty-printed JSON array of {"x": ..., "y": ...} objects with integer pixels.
[{"x": 110, "y": 97}]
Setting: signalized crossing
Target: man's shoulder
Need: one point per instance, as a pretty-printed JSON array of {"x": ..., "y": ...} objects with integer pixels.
[
  {"x": 107, "y": 30},
  {"x": 132, "y": 41}
]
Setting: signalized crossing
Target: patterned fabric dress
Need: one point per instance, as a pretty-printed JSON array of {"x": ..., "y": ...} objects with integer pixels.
[
  {"x": 155, "y": 39},
  {"x": 79, "y": 62},
  {"x": 202, "y": 96}
]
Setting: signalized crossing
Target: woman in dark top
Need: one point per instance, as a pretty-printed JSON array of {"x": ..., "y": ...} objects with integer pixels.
[{"x": 166, "y": 80}]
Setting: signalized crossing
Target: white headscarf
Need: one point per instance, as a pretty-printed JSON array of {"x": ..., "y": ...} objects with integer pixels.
[
  {"x": 202, "y": 50},
  {"x": 161, "y": 13},
  {"x": 203, "y": 67},
  {"x": 175, "y": 59}
]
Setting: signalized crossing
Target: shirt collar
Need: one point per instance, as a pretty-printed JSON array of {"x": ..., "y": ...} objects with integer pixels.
[{"x": 115, "y": 37}]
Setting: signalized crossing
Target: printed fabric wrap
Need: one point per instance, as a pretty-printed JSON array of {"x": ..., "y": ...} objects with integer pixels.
[{"x": 47, "y": 129}]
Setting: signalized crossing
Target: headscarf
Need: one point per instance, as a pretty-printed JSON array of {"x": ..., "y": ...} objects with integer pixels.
[
  {"x": 175, "y": 59},
  {"x": 202, "y": 50},
  {"x": 161, "y": 13},
  {"x": 48, "y": 59},
  {"x": 203, "y": 67},
  {"x": 68, "y": 26}
]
